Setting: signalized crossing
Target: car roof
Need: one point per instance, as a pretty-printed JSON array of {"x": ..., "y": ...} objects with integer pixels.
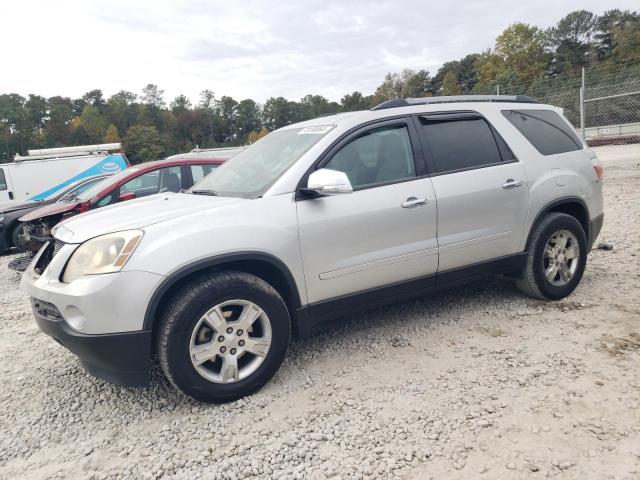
[
  {"x": 413, "y": 106},
  {"x": 170, "y": 162}
]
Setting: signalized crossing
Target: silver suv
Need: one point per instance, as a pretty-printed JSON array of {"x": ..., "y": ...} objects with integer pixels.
[{"x": 314, "y": 221}]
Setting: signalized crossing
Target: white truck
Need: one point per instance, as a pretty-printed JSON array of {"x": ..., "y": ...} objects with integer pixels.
[{"x": 45, "y": 171}]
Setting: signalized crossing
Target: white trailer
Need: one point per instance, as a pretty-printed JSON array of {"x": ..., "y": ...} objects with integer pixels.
[{"x": 45, "y": 171}]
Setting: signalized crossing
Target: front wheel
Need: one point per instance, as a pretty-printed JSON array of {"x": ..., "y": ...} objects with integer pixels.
[
  {"x": 556, "y": 258},
  {"x": 17, "y": 236},
  {"x": 223, "y": 336}
]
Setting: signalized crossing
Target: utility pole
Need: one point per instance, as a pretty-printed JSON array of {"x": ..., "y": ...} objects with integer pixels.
[{"x": 582, "y": 99}]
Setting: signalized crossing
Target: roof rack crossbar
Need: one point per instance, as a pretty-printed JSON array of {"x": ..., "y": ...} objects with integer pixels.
[{"x": 406, "y": 102}]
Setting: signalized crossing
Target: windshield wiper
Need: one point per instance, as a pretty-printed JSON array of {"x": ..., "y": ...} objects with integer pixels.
[{"x": 211, "y": 193}]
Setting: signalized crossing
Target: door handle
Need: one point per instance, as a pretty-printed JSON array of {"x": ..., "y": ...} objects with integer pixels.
[
  {"x": 414, "y": 202},
  {"x": 511, "y": 183},
  {"x": 10, "y": 195}
]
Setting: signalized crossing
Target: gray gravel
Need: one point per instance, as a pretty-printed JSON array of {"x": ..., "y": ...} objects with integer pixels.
[{"x": 479, "y": 382}]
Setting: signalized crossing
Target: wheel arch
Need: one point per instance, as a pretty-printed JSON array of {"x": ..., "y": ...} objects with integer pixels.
[
  {"x": 574, "y": 206},
  {"x": 263, "y": 265},
  {"x": 8, "y": 231}
]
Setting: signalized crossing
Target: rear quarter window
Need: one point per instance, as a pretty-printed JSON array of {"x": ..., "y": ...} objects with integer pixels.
[{"x": 545, "y": 130}]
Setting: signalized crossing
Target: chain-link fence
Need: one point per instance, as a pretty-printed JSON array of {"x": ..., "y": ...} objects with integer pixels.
[{"x": 602, "y": 104}]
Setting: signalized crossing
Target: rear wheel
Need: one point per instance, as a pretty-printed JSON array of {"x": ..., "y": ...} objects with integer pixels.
[
  {"x": 223, "y": 336},
  {"x": 556, "y": 258}
]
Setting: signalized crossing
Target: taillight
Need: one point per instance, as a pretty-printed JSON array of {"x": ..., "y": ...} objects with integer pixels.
[{"x": 597, "y": 167}]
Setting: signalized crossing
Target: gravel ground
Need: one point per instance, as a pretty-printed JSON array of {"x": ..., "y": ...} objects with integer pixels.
[{"x": 478, "y": 382}]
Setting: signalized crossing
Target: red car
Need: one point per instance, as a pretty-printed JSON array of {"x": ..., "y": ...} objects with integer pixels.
[{"x": 170, "y": 175}]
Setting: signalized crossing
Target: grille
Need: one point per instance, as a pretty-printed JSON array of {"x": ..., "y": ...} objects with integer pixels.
[
  {"x": 45, "y": 259},
  {"x": 56, "y": 247}
]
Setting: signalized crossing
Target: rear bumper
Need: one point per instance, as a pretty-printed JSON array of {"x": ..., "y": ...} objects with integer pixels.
[
  {"x": 120, "y": 358},
  {"x": 595, "y": 225}
]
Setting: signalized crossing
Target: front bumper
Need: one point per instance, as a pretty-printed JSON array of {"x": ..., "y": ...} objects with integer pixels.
[
  {"x": 120, "y": 358},
  {"x": 98, "y": 317},
  {"x": 93, "y": 304}
]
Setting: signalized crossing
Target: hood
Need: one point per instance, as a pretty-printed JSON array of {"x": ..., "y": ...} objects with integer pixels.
[
  {"x": 9, "y": 207},
  {"x": 138, "y": 213},
  {"x": 48, "y": 210}
]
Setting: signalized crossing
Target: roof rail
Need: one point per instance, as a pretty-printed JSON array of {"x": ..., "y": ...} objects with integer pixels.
[{"x": 406, "y": 102}]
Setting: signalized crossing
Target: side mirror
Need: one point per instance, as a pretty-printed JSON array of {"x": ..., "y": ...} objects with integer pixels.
[
  {"x": 328, "y": 182},
  {"x": 127, "y": 196}
]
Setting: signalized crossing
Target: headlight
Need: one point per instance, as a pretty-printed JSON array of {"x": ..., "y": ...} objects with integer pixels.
[
  {"x": 105, "y": 254},
  {"x": 1, "y": 219}
]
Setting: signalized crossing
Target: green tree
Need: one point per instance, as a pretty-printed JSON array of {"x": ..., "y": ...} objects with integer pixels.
[
  {"x": 278, "y": 112},
  {"x": 570, "y": 41},
  {"x": 152, "y": 95},
  {"x": 121, "y": 109},
  {"x": 248, "y": 117},
  {"x": 94, "y": 98},
  {"x": 13, "y": 120},
  {"x": 225, "y": 119},
  {"x": 467, "y": 72},
  {"x": 57, "y": 126},
  {"x": 521, "y": 48},
  {"x": 180, "y": 104},
  {"x": 355, "y": 101},
  {"x": 93, "y": 123},
  {"x": 627, "y": 46},
  {"x": 607, "y": 26},
  {"x": 312, "y": 106},
  {"x": 450, "y": 85},
  {"x": 142, "y": 144},
  {"x": 416, "y": 84},
  {"x": 111, "y": 135}
]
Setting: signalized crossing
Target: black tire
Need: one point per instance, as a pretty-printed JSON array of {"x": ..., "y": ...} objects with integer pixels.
[
  {"x": 532, "y": 280},
  {"x": 15, "y": 236},
  {"x": 185, "y": 309}
]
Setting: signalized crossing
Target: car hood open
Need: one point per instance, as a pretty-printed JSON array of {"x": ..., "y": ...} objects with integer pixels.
[
  {"x": 48, "y": 210},
  {"x": 9, "y": 207},
  {"x": 138, "y": 213}
]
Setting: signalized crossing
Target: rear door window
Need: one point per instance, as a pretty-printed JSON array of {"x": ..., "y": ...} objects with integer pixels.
[
  {"x": 198, "y": 172},
  {"x": 171, "y": 179},
  {"x": 3, "y": 180},
  {"x": 545, "y": 130},
  {"x": 461, "y": 143}
]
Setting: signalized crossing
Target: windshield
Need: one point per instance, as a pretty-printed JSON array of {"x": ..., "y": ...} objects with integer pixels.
[
  {"x": 77, "y": 188},
  {"x": 112, "y": 180},
  {"x": 251, "y": 172}
]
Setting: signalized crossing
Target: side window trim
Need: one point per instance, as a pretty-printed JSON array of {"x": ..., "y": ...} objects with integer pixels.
[
  {"x": 416, "y": 148},
  {"x": 452, "y": 116},
  {"x": 322, "y": 159}
]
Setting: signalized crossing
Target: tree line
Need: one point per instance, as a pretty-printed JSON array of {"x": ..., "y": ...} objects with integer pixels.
[{"x": 524, "y": 57}]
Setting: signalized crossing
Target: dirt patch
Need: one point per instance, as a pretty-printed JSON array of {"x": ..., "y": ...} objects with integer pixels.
[{"x": 617, "y": 346}]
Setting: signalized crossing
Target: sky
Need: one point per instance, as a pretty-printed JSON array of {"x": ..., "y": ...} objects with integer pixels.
[{"x": 249, "y": 49}]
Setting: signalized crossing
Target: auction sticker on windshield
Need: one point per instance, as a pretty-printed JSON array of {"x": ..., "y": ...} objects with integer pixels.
[{"x": 317, "y": 130}]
